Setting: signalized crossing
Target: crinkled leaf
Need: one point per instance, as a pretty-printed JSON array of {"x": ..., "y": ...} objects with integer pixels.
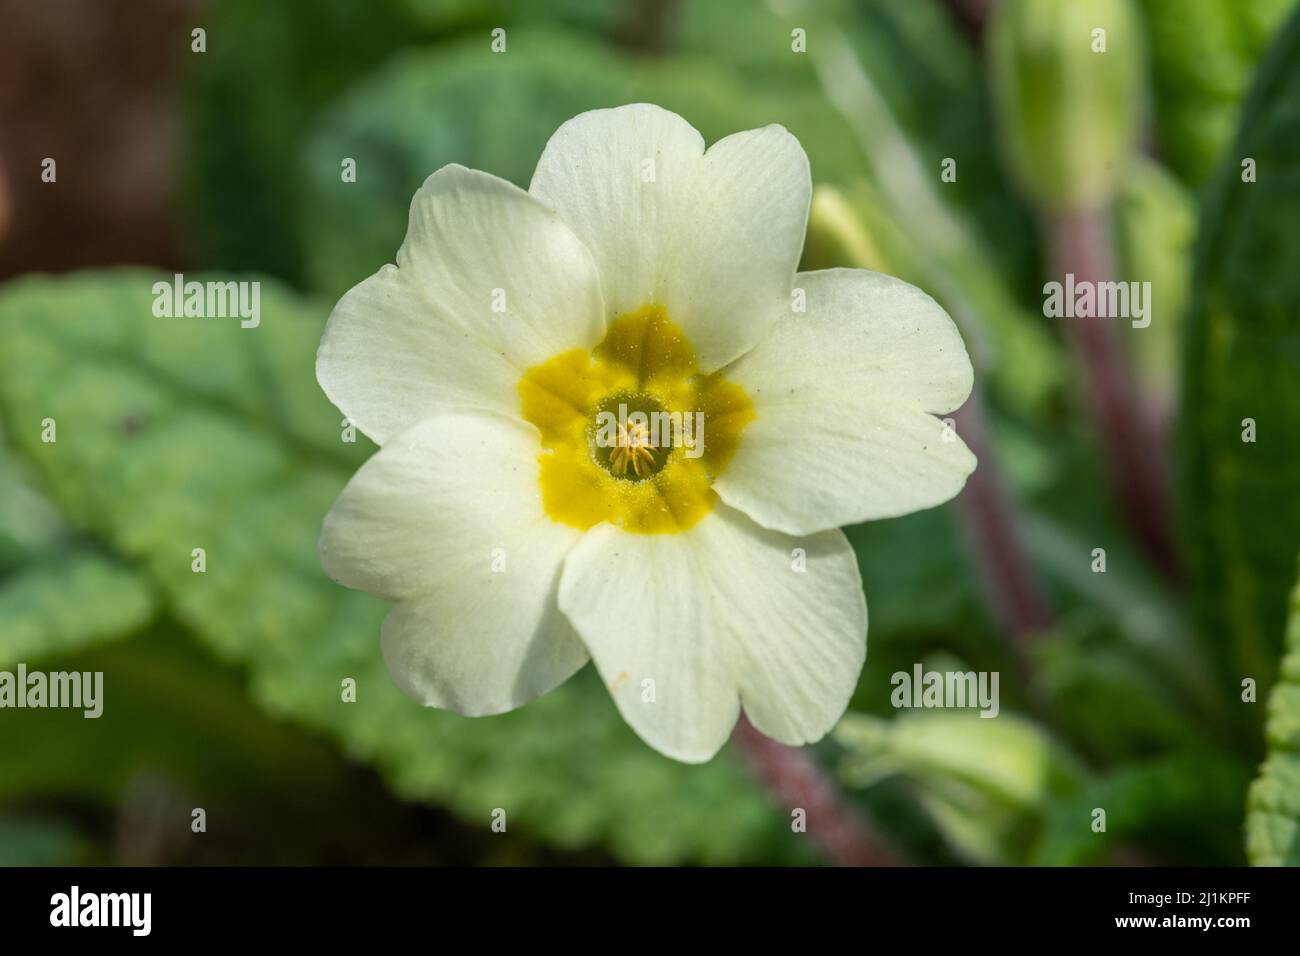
[
  {"x": 1273, "y": 804},
  {"x": 68, "y": 602}
]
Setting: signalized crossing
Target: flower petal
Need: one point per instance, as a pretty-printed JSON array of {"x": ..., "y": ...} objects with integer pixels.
[
  {"x": 445, "y": 520},
  {"x": 488, "y": 283},
  {"x": 845, "y": 396},
  {"x": 714, "y": 237},
  {"x": 717, "y": 617}
]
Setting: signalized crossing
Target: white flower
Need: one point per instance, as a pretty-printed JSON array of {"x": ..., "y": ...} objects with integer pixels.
[{"x": 638, "y": 270}]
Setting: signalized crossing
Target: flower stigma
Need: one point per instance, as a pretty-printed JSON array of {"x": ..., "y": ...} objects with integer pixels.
[
  {"x": 632, "y": 432},
  {"x": 635, "y": 447}
]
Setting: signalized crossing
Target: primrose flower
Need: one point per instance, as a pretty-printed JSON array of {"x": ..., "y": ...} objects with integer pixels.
[{"x": 615, "y": 423}]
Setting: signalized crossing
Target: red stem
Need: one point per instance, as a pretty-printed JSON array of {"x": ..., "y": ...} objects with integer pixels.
[
  {"x": 796, "y": 782},
  {"x": 1130, "y": 439},
  {"x": 991, "y": 525}
]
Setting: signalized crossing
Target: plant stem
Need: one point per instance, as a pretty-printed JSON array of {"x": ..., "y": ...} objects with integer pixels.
[
  {"x": 796, "y": 783},
  {"x": 999, "y": 549},
  {"x": 1134, "y": 453},
  {"x": 991, "y": 525}
]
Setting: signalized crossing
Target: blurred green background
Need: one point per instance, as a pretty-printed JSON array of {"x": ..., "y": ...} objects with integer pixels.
[{"x": 1121, "y": 689}]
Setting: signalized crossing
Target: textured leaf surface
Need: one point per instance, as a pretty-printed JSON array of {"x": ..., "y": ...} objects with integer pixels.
[
  {"x": 1273, "y": 804},
  {"x": 68, "y": 602},
  {"x": 1242, "y": 513},
  {"x": 1203, "y": 53}
]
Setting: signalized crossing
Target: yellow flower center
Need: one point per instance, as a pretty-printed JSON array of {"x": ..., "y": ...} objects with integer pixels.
[{"x": 632, "y": 433}]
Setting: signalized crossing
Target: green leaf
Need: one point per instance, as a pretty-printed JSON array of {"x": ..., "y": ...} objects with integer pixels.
[
  {"x": 267, "y": 69},
  {"x": 1183, "y": 809},
  {"x": 170, "y": 713},
  {"x": 29, "y": 525},
  {"x": 69, "y": 602},
  {"x": 482, "y": 15},
  {"x": 926, "y": 73},
  {"x": 184, "y": 433},
  {"x": 178, "y": 730},
  {"x": 1273, "y": 804},
  {"x": 270, "y": 68},
  {"x": 920, "y": 561},
  {"x": 1122, "y": 669},
  {"x": 1203, "y": 54},
  {"x": 933, "y": 80},
  {"x": 923, "y": 597},
  {"x": 1242, "y": 360}
]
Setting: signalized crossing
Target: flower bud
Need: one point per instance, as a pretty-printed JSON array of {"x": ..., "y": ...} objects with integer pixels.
[{"x": 1067, "y": 88}]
